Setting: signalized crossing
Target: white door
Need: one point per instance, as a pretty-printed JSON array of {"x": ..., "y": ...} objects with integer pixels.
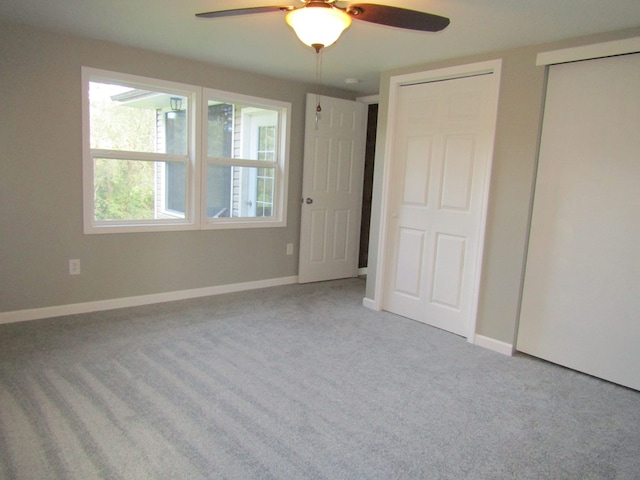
[
  {"x": 332, "y": 189},
  {"x": 442, "y": 149},
  {"x": 580, "y": 304}
]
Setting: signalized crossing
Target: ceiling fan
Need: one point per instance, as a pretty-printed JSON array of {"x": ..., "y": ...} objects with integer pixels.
[{"x": 319, "y": 23}]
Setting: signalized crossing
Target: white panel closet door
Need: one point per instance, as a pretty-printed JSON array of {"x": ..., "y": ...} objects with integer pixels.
[
  {"x": 441, "y": 165},
  {"x": 581, "y": 305}
]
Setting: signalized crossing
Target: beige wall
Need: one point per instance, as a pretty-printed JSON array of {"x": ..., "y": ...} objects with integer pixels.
[
  {"x": 41, "y": 182},
  {"x": 516, "y": 144}
]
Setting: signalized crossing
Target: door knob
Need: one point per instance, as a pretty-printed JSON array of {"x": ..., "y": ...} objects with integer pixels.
[{"x": 309, "y": 201}]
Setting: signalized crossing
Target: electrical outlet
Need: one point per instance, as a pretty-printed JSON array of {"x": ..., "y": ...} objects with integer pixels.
[
  {"x": 74, "y": 267},
  {"x": 289, "y": 248}
]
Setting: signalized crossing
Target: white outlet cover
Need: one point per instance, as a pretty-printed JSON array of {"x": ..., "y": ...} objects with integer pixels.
[{"x": 74, "y": 267}]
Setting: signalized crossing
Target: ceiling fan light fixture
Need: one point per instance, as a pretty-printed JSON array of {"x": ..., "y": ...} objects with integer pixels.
[{"x": 318, "y": 24}]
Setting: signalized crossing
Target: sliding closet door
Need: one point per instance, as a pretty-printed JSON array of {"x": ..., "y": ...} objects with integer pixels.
[{"x": 581, "y": 298}]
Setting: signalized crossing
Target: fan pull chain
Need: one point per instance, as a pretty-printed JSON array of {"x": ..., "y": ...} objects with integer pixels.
[{"x": 318, "y": 80}]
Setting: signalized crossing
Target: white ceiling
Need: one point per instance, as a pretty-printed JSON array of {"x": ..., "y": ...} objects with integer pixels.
[{"x": 263, "y": 43}]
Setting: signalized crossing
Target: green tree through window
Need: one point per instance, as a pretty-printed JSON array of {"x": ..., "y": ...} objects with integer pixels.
[{"x": 123, "y": 189}]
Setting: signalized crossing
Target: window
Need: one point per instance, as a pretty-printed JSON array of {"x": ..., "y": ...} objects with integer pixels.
[
  {"x": 244, "y": 161},
  {"x": 152, "y": 161}
]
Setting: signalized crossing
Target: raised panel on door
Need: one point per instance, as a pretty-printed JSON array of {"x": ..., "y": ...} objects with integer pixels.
[
  {"x": 408, "y": 274},
  {"x": 417, "y": 167},
  {"x": 341, "y": 225},
  {"x": 448, "y": 269},
  {"x": 317, "y": 237},
  {"x": 408, "y": 278},
  {"x": 457, "y": 172},
  {"x": 321, "y": 164},
  {"x": 345, "y": 159}
]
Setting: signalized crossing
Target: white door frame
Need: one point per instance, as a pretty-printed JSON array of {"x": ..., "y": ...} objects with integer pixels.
[{"x": 397, "y": 81}]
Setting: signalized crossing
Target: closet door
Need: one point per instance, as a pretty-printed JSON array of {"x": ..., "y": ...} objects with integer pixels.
[
  {"x": 443, "y": 135},
  {"x": 581, "y": 298}
]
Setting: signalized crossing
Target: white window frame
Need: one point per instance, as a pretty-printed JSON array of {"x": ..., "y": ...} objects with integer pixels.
[
  {"x": 190, "y": 159},
  {"x": 281, "y": 163},
  {"x": 196, "y": 159}
]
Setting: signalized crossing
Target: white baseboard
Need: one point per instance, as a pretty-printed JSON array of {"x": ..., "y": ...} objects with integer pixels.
[
  {"x": 362, "y": 271},
  {"x": 370, "y": 304},
  {"x": 493, "y": 344},
  {"x": 75, "y": 308}
]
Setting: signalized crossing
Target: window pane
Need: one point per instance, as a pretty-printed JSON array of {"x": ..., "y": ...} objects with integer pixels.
[
  {"x": 175, "y": 187},
  {"x": 137, "y": 120},
  {"x": 239, "y": 191},
  {"x": 175, "y": 173},
  {"x": 175, "y": 132},
  {"x": 220, "y": 129},
  {"x": 267, "y": 143},
  {"x": 219, "y": 191},
  {"x": 137, "y": 190},
  {"x": 241, "y": 131}
]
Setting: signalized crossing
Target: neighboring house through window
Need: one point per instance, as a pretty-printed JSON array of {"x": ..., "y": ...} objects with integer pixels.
[
  {"x": 242, "y": 160},
  {"x": 161, "y": 155}
]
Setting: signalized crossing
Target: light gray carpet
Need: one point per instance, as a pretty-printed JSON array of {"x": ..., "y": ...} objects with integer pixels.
[{"x": 295, "y": 382}]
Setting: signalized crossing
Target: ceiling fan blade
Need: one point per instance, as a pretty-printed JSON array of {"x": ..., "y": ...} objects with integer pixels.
[
  {"x": 397, "y": 17},
  {"x": 244, "y": 11}
]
